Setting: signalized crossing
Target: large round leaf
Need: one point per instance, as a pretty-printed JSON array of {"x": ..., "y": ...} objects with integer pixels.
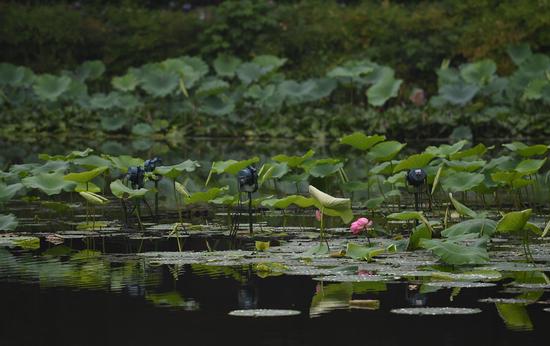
[
  {"x": 514, "y": 221},
  {"x": 159, "y": 82},
  {"x": 475, "y": 226},
  {"x": 90, "y": 70},
  {"x": 361, "y": 141},
  {"x": 479, "y": 73},
  {"x": 49, "y": 183},
  {"x": 283, "y": 203},
  {"x": 414, "y": 161},
  {"x": 122, "y": 191},
  {"x": 175, "y": 171},
  {"x": 226, "y": 65},
  {"x": 128, "y": 82},
  {"x": 454, "y": 253},
  {"x": 250, "y": 72},
  {"x": 386, "y": 151},
  {"x": 49, "y": 87},
  {"x": 217, "y": 105},
  {"x": 84, "y": 177},
  {"x": 461, "y": 181},
  {"x": 383, "y": 90},
  {"x": 458, "y": 93}
]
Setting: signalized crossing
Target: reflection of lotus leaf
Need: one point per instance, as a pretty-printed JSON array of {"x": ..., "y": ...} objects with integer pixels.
[{"x": 436, "y": 311}]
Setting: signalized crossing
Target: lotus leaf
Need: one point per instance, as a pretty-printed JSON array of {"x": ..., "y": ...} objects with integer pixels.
[
  {"x": 420, "y": 232},
  {"x": 90, "y": 70},
  {"x": 84, "y": 177},
  {"x": 525, "y": 150},
  {"x": 461, "y": 181},
  {"x": 458, "y": 94},
  {"x": 478, "y": 150},
  {"x": 383, "y": 90},
  {"x": 294, "y": 161},
  {"x": 123, "y": 162},
  {"x": 283, "y": 203},
  {"x": 122, "y": 191},
  {"x": 250, "y": 72},
  {"x": 158, "y": 82},
  {"x": 465, "y": 166},
  {"x": 217, "y": 105},
  {"x": 385, "y": 151},
  {"x": 175, "y": 171},
  {"x": 514, "y": 221},
  {"x": 128, "y": 82},
  {"x": 360, "y": 252},
  {"x": 8, "y": 191},
  {"x": 464, "y": 210},
  {"x": 446, "y": 150},
  {"x": 479, "y": 73},
  {"x": 212, "y": 87},
  {"x": 94, "y": 198},
  {"x": 519, "y": 53},
  {"x": 49, "y": 183},
  {"x": 226, "y": 65},
  {"x": 205, "y": 197},
  {"x": 272, "y": 171},
  {"x": 530, "y": 166},
  {"x": 361, "y": 141},
  {"x": 8, "y": 222},
  {"x": 49, "y": 87},
  {"x": 142, "y": 129},
  {"x": 414, "y": 161},
  {"x": 453, "y": 252},
  {"x": 515, "y": 316},
  {"x": 479, "y": 226},
  {"x": 331, "y": 205}
]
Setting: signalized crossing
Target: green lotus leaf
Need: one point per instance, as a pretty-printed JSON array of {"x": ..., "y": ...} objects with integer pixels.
[
  {"x": 143, "y": 130},
  {"x": 453, "y": 252},
  {"x": 350, "y": 71},
  {"x": 332, "y": 206},
  {"x": 158, "y": 82},
  {"x": 294, "y": 161},
  {"x": 506, "y": 177},
  {"x": 414, "y": 161},
  {"x": 465, "y": 166},
  {"x": 90, "y": 70},
  {"x": 8, "y": 191},
  {"x": 11, "y": 74},
  {"x": 503, "y": 163},
  {"x": 283, "y": 203},
  {"x": 269, "y": 62},
  {"x": 8, "y": 222},
  {"x": 385, "y": 151},
  {"x": 128, "y": 82},
  {"x": 519, "y": 53},
  {"x": 317, "y": 250},
  {"x": 104, "y": 101},
  {"x": 226, "y": 65},
  {"x": 122, "y": 191},
  {"x": 93, "y": 198},
  {"x": 69, "y": 157},
  {"x": 206, "y": 196},
  {"x": 383, "y": 90},
  {"x": 321, "y": 169},
  {"x": 197, "y": 64},
  {"x": 514, "y": 221},
  {"x": 113, "y": 123},
  {"x": 458, "y": 94},
  {"x": 49, "y": 183},
  {"x": 419, "y": 232},
  {"x": 384, "y": 168},
  {"x": 446, "y": 150},
  {"x": 478, "y": 150},
  {"x": 49, "y": 87},
  {"x": 175, "y": 171},
  {"x": 123, "y": 162},
  {"x": 475, "y": 226},
  {"x": 250, "y": 72},
  {"x": 461, "y": 181},
  {"x": 525, "y": 150},
  {"x": 92, "y": 161},
  {"x": 535, "y": 89},
  {"x": 479, "y": 73},
  {"x": 87, "y": 187},
  {"x": 530, "y": 166},
  {"x": 272, "y": 171},
  {"x": 361, "y": 141},
  {"x": 77, "y": 92},
  {"x": 84, "y": 177},
  {"x": 188, "y": 71},
  {"x": 411, "y": 215},
  {"x": 464, "y": 210},
  {"x": 212, "y": 87},
  {"x": 51, "y": 167},
  {"x": 536, "y": 65},
  {"x": 361, "y": 252},
  {"x": 217, "y": 105}
]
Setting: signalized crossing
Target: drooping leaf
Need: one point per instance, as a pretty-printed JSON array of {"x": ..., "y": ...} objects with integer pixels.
[
  {"x": 84, "y": 177},
  {"x": 383, "y": 90},
  {"x": 332, "y": 206},
  {"x": 272, "y": 171},
  {"x": 514, "y": 221},
  {"x": 122, "y": 191},
  {"x": 94, "y": 198},
  {"x": 515, "y": 316},
  {"x": 478, "y": 150},
  {"x": 8, "y": 191},
  {"x": 420, "y": 232},
  {"x": 361, "y": 141},
  {"x": 462, "y": 209},
  {"x": 411, "y": 215}
]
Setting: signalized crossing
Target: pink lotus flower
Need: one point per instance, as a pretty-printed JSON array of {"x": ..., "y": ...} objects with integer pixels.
[
  {"x": 359, "y": 225},
  {"x": 318, "y": 215}
]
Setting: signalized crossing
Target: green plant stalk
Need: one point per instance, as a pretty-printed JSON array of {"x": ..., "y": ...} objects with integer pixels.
[{"x": 177, "y": 202}]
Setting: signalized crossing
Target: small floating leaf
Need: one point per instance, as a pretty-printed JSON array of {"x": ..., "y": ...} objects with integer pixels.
[
  {"x": 436, "y": 311},
  {"x": 264, "y": 313}
]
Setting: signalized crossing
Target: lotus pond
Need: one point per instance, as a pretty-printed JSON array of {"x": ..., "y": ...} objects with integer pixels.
[{"x": 110, "y": 246}]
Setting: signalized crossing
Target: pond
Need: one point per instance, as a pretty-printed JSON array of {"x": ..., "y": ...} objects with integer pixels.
[{"x": 75, "y": 275}]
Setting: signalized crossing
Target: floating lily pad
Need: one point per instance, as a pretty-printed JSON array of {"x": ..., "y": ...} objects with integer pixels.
[
  {"x": 506, "y": 300},
  {"x": 354, "y": 278},
  {"x": 533, "y": 286},
  {"x": 460, "y": 284},
  {"x": 264, "y": 313},
  {"x": 436, "y": 311}
]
